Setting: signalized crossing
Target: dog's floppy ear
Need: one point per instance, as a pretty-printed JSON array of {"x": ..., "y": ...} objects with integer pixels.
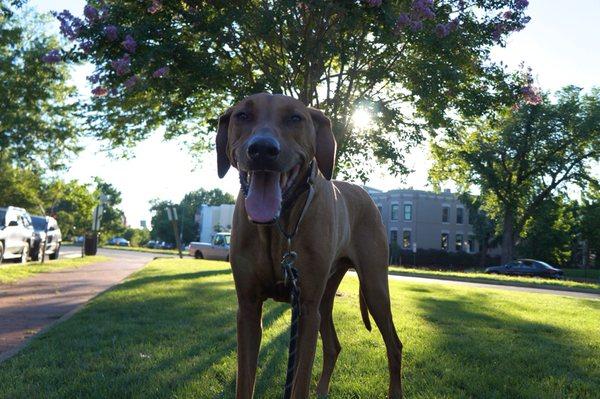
[
  {"x": 223, "y": 163},
  {"x": 326, "y": 145}
]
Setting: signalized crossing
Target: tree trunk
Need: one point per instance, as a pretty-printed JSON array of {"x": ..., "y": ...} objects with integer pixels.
[{"x": 508, "y": 236}]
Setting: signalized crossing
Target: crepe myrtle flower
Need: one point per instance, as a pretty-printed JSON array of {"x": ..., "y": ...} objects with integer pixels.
[
  {"x": 129, "y": 44},
  {"x": 531, "y": 95},
  {"x": 70, "y": 25},
  {"x": 99, "y": 91},
  {"x": 507, "y": 14},
  {"x": 521, "y": 4},
  {"x": 497, "y": 32},
  {"x": 402, "y": 22},
  {"x": 132, "y": 81},
  {"x": 111, "y": 32},
  {"x": 442, "y": 30},
  {"x": 374, "y": 3},
  {"x": 86, "y": 46},
  {"x": 52, "y": 57},
  {"x": 155, "y": 7},
  {"x": 121, "y": 65},
  {"x": 416, "y": 26},
  {"x": 95, "y": 78},
  {"x": 90, "y": 12},
  {"x": 160, "y": 72},
  {"x": 423, "y": 9}
]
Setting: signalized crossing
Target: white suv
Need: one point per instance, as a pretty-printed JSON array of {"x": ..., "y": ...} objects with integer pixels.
[{"x": 16, "y": 233}]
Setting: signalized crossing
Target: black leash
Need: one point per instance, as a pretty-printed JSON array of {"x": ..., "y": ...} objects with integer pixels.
[{"x": 290, "y": 279}]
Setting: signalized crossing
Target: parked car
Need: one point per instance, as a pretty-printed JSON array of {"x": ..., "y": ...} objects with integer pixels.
[
  {"x": 152, "y": 244},
  {"x": 16, "y": 234},
  {"x": 45, "y": 226},
  {"x": 526, "y": 267},
  {"x": 217, "y": 249},
  {"x": 166, "y": 245},
  {"x": 119, "y": 241},
  {"x": 79, "y": 240}
]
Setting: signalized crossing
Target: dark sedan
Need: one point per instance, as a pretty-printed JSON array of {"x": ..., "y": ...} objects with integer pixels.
[{"x": 526, "y": 267}]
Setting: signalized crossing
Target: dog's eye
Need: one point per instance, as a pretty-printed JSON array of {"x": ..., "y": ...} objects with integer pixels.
[
  {"x": 295, "y": 118},
  {"x": 242, "y": 116}
]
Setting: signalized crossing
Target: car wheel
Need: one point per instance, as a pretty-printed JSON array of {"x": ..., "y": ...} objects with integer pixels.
[
  {"x": 25, "y": 253},
  {"x": 1, "y": 252},
  {"x": 198, "y": 255},
  {"x": 54, "y": 255}
]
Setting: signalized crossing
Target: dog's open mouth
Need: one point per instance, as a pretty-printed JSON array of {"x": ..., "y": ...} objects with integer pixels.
[{"x": 266, "y": 190}]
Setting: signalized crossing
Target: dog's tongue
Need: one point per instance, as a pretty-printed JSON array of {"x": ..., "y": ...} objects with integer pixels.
[{"x": 264, "y": 197}]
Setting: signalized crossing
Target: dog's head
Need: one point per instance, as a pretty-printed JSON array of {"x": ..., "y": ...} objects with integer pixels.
[{"x": 271, "y": 139}]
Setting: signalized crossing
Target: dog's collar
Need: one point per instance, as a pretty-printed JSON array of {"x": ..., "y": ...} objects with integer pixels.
[{"x": 291, "y": 196}]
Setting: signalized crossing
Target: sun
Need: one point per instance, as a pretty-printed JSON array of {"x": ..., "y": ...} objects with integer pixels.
[{"x": 361, "y": 118}]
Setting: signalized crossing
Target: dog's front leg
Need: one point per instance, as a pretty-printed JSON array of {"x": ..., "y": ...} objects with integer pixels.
[
  {"x": 249, "y": 332},
  {"x": 308, "y": 330}
]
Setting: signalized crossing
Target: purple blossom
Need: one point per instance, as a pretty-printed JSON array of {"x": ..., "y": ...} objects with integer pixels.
[
  {"x": 95, "y": 78},
  {"x": 155, "y": 7},
  {"x": 111, "y": 32},
  {"x": 90, "y": 12},
  {"x": 402, "y": 22},
  {"x": 508, "y": 14},
  {"x": 422, "y": 9},
  {"x": 132, "y": 81},
  {"x": 99, "y": 91},
  {"x": 521, "y": 4},
  {"x": 442, "y": 30},
  {"x": 70, "y": 26},
  {"x": 531, "y": 95},
  {"x": 129, "y": 44},
  {"x": 416, "y": 26},
  {"x": 374, "y": 3},
  {"x": 497, "y": 32},
  {"x": 121, "y": 65},
  {"x": 86, "y": 46},
  {"x": 160, "y": 72},
  {"x": 52, "y": 57}
]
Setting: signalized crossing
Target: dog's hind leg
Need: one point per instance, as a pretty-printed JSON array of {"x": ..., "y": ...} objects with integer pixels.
[
  {"x": 331, "y": 344},
  {"x": 372, "y": 271}
]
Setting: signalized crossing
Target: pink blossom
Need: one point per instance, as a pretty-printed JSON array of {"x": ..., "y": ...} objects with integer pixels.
[
  {"x": 422, "y": 9},
  {"x": 442, "y": 30},
  {"x": 402, "y": 22},
  {"x": 132, "y": 81},
  {"x": 521, "y": 4},
  {"x": 508, "y": 14},
  {"x": 129, "y": 44},
  {"x": 99, "y": 91},
  {"x": 160, "y": 72},
  {"x": 90, "y": 12},
  {"x": 86, "y": 46},
  {"x": 416, "y": 26},
  {"x": 95, "y": 78},
  {"x": 155, "y": 7},
  {"x": 52, "y": 57},
  {"x": 531, "y": 95},
  {"x": 121, "y": 65},
  {"x": 111, "y": 32},
  {"x": 70, "y": 26}
]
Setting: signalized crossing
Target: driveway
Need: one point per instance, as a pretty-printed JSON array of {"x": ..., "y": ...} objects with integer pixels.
[{"x": 33, "y": 304}]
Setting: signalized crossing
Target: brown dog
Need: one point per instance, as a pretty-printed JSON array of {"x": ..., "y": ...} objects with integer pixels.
[{"x": 272, "y": 140}]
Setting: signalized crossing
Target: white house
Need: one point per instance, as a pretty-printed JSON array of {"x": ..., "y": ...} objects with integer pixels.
[{"x": 209, "y": 217}]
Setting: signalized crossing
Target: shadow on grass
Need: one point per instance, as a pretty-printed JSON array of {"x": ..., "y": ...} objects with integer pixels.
[{"x": 481, "y": 350}]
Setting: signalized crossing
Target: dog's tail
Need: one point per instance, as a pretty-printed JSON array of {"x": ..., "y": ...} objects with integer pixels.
[{"x": 363, "y": 309}]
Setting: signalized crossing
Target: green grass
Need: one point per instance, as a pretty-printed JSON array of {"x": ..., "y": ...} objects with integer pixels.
[
  {"x": 480, "y": 277},
  {"x": 169, "y": 332},
  {"x": 590, "y": 274},
  {"x": 13, "y": 272},
  {"x": 142, "y": 249}
]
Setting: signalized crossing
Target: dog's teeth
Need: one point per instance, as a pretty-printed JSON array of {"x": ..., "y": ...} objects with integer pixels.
[{"x": 283, "y": 180}]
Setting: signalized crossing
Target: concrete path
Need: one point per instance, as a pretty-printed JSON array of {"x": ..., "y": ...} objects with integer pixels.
[
  {"x": 440, "y": 280},
  {"x": 39, "y": 301}
]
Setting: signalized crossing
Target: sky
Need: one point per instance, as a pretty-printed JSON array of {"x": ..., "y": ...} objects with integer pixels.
[{"x": 561, "y": 44}]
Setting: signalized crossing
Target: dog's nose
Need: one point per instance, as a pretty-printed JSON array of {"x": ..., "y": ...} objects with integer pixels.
[{"x": 263, "y": 148}]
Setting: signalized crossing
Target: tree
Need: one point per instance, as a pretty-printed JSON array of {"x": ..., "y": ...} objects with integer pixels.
[
  {"x": 551, "y": 234},
  {"x": 113, "y": 219},
  {"x": 38, "y": 107},
  {"x": 590, "y": 220},
  {"x": 72, "y": 204},
  {"x": 518, "y": 157},
  {"x": 162, "y": 228},
  {"x": 179, "y": 63},
  {"x": 20, "y": 187}
]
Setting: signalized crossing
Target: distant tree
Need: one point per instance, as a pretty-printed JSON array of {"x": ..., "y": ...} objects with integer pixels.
[
  {"x": 178, "y": 63},
  {"x": 162, "y": 228},
  {"x": 113, "y": 218},
  {"x": 72, "y": 204},
  {"x": 590, "y": 220},
  {"x": 37, "y": 105},
  {"x": 20, "y": 187},
  {"x": 551, "y": 234},
  {"x": 519, "y": 157},
  {"x": 136, "y": 237}
]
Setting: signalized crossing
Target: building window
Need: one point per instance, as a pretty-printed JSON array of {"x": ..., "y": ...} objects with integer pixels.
[
  {"x": 471, "y": 243},
  {"x": 471, "y": 216},
  {"x": 406, "y": 239},
  {"x": 459, "y": 215},
  {"x": 394, "y": 211},
  {"x": 459, "y": 242},
  {"x": 445, "y": 241},
  {"x": 407, "y": 211},
  {"x": 445, "y": 214},
  {"x": 394, "y": 236}
]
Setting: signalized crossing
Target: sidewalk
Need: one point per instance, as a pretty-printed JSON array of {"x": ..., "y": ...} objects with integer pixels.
[{"x": 37, "y": 302}]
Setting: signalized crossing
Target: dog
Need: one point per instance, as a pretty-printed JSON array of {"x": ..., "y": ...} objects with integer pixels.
[{"x": 278, "y": 144}]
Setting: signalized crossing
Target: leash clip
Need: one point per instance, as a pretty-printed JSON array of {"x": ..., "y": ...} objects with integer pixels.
[{"x": 287, "y": 265}]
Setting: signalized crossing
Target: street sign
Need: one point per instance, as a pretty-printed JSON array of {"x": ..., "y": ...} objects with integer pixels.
[
  {"x": 97, "y": 217},
  {"x": 172, "y": 213}
]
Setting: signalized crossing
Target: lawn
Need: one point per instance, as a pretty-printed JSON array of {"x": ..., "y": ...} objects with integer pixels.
[
  {"x": 143, "y": 249},
  {"x": 480, "y": 277},
  {"x": 13, "y": 272},
  {"x": 169, "y": 332}
]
